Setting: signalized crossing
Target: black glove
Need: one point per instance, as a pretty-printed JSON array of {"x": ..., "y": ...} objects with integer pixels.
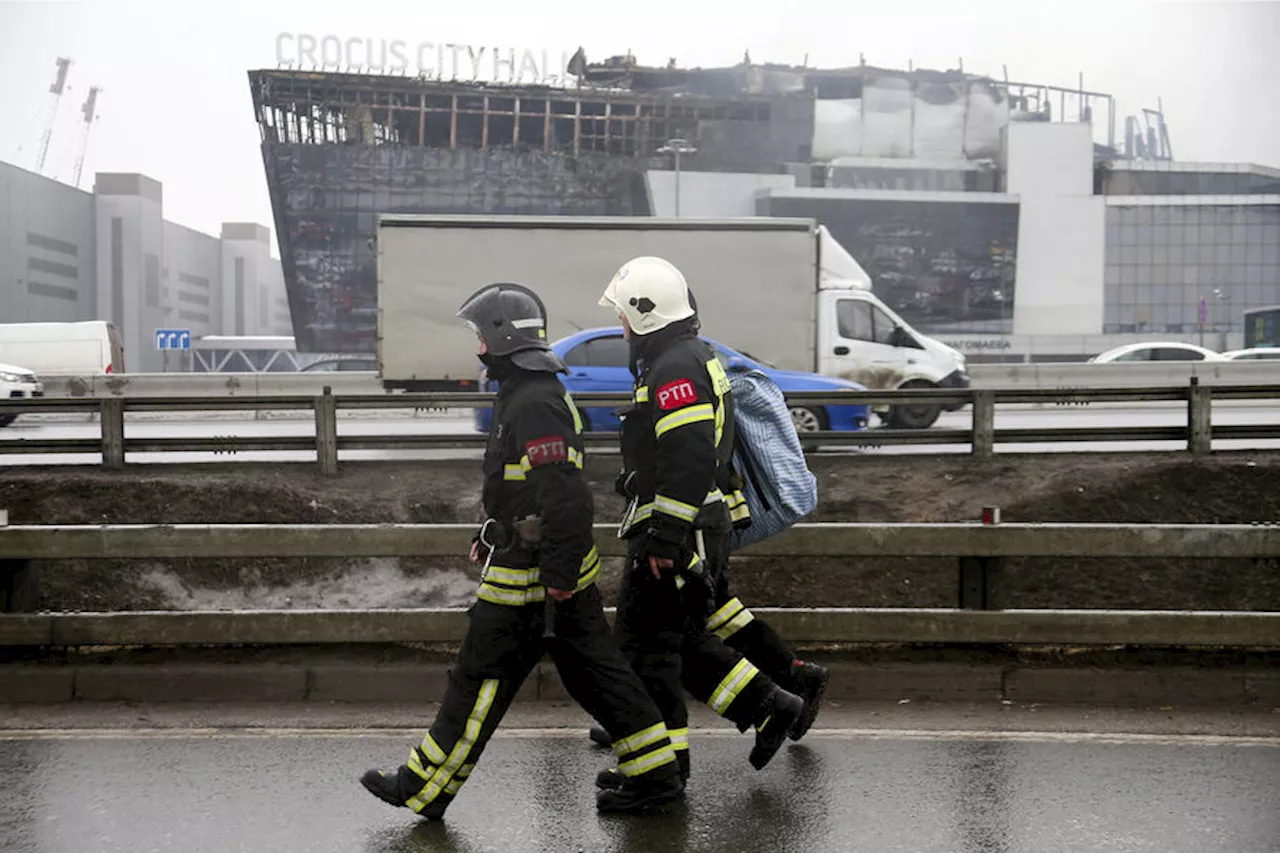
[
  {"x": 624, "y": 483},
  {"x": 664, "y": 544}
]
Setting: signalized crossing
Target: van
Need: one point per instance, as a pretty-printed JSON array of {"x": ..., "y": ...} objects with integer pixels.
[{"x": 63, "y": 349}]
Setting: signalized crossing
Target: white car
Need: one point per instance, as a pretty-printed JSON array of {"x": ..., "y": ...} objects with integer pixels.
[
  {"x": 1158, "y": 351},
  {"x": 17, "y": 383},
  {"x": 1254, "y": 354}
]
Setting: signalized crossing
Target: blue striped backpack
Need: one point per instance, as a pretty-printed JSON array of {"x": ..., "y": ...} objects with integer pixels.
[{"x": 780, "y": 489}]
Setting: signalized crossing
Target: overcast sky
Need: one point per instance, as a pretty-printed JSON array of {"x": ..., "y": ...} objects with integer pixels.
[{"x": 176, "y": 104}]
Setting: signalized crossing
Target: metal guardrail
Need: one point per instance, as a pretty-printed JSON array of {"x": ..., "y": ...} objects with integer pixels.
[
  {"x": 327, "y": 443},
  {"x": 1048, "y": 376},
  {"x": 978, "y": 549}
]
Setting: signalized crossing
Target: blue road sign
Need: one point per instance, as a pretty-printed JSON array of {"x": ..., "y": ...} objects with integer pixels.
[{"x": 173, "y": 339}]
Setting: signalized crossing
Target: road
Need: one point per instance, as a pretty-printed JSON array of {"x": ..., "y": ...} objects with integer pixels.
[
  {"x": 1155, "y": 414},
  {"x": 968, "y": 788}
]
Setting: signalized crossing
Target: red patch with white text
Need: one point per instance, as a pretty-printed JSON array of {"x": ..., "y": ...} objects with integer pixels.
[
  {"x": 676, "y": 394},
  {"x": 545, "y": 451}
]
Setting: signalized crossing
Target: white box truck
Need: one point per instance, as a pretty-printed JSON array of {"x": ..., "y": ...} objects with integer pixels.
[{"x": 782, "y": 290}]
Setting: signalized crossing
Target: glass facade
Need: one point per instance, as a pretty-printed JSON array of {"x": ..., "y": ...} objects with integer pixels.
[
  {"x": 944, "y": 266},
  {"x": 1162, "y": 259}
]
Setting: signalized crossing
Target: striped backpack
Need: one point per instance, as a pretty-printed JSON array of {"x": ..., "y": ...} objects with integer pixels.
[{"x": 780, "y": 489}]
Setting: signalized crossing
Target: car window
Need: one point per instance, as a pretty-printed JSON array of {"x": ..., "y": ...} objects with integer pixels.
[
  {"x": 883, "y": 328},
  {"x": 1135, "y": 355},
  {"x": 576, "y": 357},
  {"x": 1254, "y": 356},
  {"x": 608, "y": 352},
  {"x": 1177, "y": 354},
  {"x": 853, "y": 319}
]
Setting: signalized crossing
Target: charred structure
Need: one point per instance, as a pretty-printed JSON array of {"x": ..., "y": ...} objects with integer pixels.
[{"x": 341, "y": 148}]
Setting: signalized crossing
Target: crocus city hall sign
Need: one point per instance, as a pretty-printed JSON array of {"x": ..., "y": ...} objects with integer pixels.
[{"x": 431, "y": 60}]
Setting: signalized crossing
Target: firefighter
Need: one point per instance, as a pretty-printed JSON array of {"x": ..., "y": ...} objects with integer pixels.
[
  {"x": 677, "y": 438},
  {"x": 729, "y": 618},
  {"x": 537, "y": 589}
]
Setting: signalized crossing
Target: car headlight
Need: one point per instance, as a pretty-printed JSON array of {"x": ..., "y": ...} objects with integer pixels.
[{"x": 11, "y": 377}]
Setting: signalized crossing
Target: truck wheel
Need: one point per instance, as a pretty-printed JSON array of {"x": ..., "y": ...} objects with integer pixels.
[
  {"x": 914, "y": 417},
  {"x": 808, "y": 420},
  {"x": 5, "y": 420}
]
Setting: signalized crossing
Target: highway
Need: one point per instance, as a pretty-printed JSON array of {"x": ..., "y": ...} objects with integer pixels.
[
  {"x": 959, "y": 780},
  {"x": 299, "y": 424}
]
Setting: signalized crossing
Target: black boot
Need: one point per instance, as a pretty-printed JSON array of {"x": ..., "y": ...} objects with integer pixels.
[
  {"x": 600, "y": 737},
  {"x": 780, "y": 712},
  {"x": 641, "y": 794},
  {"x": 610, "y": 779},
  {"x": 809, "y": 683},
  {"x": 386, "y": 787}
]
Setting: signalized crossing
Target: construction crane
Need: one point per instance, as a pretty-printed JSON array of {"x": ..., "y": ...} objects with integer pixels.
[
  {"x": 55, "y": 98},
  {"x": 89, "y": 112}
]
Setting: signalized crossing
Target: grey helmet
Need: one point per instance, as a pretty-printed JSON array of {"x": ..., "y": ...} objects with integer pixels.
[{"x": 513, "y": 323}]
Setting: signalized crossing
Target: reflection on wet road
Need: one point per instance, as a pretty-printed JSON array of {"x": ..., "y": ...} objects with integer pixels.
[{"x": 289, "y": 790}]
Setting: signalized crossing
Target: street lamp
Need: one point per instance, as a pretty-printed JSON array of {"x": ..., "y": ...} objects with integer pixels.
[{"x": 677, "y": 147}]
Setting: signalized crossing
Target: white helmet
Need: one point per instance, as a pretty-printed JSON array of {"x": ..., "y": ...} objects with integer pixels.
[{"x": 650, "y": 292}]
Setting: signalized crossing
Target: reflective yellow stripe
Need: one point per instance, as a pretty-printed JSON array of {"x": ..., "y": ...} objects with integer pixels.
[
  {"x": 576, "y": 458},
  {"x": 512, "y": 473},
  {"x": 729, "y": 688},
  {"x": 719, "y": 379},
  {"x": 470, "y": 734},
  {"x": 454, "y": 786},
  {"x": 675, "y": 508},
  {"x": 431, "y": 749},
  {"x": 647, "y": 763},
  {"x": 590, "y": 571},
  {"x": 464, "y": 771},
  {"x": 415, "y": 764},
  {"x": 730, "y": 609},
  {"x": 734, "y": 625},
  {"x": 573, "y": 410},
  {"x": 639, "y": 740},
  {"x": 680, "y": 582},
  {"x": 512, "y": 577},
  {"x": 642, "y": 394},
  {"x": 679, "y": 738},
  {"x": 684, "y": 417},
  {"x": 511, "y": 597}
]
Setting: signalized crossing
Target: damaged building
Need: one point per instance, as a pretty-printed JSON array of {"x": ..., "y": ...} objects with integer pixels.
[{"x": 911, "y": 170}]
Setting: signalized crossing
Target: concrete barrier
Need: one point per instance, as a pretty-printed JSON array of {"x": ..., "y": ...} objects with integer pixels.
[
  {"x": 143, "y": 541},
  {"x": 1252, "y": 630}
]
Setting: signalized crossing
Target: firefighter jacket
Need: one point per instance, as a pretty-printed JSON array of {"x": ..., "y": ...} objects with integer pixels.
[
  {"x": 533, "y": 467},
  {"x": 677, "y": 439}
]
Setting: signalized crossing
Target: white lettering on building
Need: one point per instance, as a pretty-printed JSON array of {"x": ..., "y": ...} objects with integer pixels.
[{"x": 431, "y": 60}]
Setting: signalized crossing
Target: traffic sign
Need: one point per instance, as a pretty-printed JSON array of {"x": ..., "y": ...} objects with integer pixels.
[{"x": 167, "y": 339}]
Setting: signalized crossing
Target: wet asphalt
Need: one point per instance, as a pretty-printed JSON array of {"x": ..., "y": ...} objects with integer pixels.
[{"x": 296, "y": 790}]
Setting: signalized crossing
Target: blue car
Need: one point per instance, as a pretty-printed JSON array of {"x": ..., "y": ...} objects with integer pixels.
[{"x": 598, "y": 361}]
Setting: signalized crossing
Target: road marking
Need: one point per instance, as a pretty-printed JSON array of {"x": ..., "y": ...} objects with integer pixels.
[{"x": 250, "y": 733}]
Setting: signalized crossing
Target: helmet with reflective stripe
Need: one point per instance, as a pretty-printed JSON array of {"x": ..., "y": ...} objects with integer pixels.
[
  {"x": 512, "y": 321},
  {"x": 650, "y": 292}
]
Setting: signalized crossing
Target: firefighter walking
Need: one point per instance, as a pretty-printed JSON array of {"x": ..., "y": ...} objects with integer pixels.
[
  {"x": 539, "y": 579},
  {"x": 677, "y": 439}
]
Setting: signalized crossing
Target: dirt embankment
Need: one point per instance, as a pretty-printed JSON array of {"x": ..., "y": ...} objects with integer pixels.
[{"x": 1241, "y": 488}]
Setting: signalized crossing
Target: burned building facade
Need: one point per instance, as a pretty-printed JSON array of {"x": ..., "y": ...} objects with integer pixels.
[{"x": 340, "y": 148}]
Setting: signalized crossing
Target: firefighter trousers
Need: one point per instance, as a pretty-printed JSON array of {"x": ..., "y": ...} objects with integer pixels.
[
  {"x": 662, "y": 629},
  {"x": 731, "y": 621},
  {"x": 502, "y": 645}
]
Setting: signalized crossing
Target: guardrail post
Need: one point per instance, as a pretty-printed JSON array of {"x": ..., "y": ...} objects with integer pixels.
[
  {"x": 984, "y": 422},
  {"x": 17, "y": 580},
  {"x": 113, "y": 432},
  {"x": 326, "y": 407},
  {"x": 1199, "y": 418},
  {"x": 979, "y": 575}
]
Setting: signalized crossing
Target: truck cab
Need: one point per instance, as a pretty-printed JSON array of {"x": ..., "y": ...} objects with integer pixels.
[{"x": 863, "y": 340}]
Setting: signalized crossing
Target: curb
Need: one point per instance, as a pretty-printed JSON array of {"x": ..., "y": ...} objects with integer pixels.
[{"x": 348, "y": 682}]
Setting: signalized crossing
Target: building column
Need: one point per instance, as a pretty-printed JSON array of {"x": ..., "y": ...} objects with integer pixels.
[{"x": 129, "y": 225}]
